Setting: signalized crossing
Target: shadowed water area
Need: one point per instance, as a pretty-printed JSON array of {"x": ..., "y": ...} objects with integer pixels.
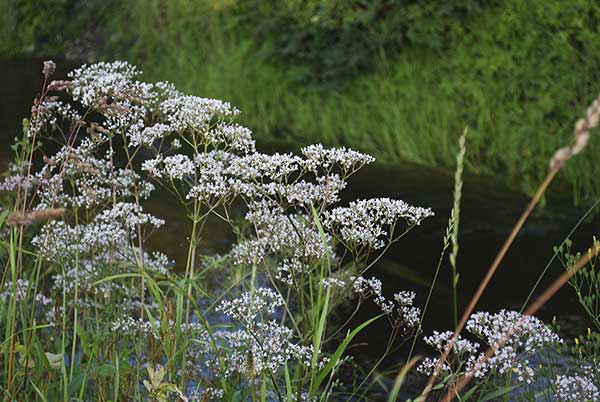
[{"x": 488, "y": 211}]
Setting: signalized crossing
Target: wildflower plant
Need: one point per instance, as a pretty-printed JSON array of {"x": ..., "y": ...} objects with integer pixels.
[{"x": 128, "y": 323}]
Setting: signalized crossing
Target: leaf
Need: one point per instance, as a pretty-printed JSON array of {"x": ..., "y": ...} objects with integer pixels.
[
  {"x": 83, "y": 337},
  {"x": 338, "y": 353},
  {"x": 497, "y": 393},
  {"x": 118, "y": 276},
  {"x": 288, "y": 384},
  {"x": 468, "y": 394},
  {"x": 55, "y": 360},
  {"x": 37, "y": 390},
  {"x": 105, "y": 370},
  {"x": 157, "y": 376},
  {"x": 400, "y": 379},
  {"x": 237, "y": 396},
  {"x": 3, "y": 216}
]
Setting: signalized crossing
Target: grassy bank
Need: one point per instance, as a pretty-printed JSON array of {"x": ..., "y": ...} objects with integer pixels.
[{"x": 397, "y": 81}]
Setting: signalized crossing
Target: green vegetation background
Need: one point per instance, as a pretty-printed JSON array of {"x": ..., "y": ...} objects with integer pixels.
[{"x": 397, "y": 79}]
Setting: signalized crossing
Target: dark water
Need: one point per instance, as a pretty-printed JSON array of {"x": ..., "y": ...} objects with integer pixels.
[{"x": 488, "y": 211}]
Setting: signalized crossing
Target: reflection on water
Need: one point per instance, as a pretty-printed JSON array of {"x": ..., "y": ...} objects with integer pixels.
[{"x": 488, "y": 211}]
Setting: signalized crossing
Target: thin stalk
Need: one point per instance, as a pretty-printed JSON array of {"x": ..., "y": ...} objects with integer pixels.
[
  {"x": 75, "y": 309},
  {"x": 490, "y": 273},
  {"x": 531, "y": 310},
  {"x": 537, "y": 283}
]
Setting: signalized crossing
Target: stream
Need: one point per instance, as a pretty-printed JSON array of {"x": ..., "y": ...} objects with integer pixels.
[{"x": 488, "y": 211}]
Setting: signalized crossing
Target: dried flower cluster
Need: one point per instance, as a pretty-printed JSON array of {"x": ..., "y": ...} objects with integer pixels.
[{"x": 581, "y": 136}]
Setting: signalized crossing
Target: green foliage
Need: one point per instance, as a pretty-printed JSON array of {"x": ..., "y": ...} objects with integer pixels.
[
  {"x": 400, "y": 84},
  {"x": 27, "y": 23},
  {"x": 586, "y": 282},
  {"x": 46, "y": 26},
  {"x": 396, "y": 79},
  {"x": 334, "y": 40}
]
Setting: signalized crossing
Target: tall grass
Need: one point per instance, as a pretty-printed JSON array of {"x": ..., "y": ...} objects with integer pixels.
[{"x": 410, "y": 106}]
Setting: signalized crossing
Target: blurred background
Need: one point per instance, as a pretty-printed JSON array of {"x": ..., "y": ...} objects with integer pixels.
[{"x": 399, "y": 79}]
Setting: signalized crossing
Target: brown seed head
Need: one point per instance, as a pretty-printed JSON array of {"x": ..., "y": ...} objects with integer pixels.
[
  {"x": 49, "y": 68},
  {"x": 18, "y": 218},
  {"x": 581, "y": 136},
  {"x": 59, "y": 85}
]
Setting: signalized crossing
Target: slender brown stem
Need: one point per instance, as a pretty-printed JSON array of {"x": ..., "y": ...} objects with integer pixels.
[
  {"x": 490, "y": 273},
  {"x": 532, "y": 309}
]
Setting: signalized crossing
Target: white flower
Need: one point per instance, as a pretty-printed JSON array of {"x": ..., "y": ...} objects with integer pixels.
[
  {"x": 192, "y": 113},
  {"x": 365, "y": 222},
  {"x": 318, "y": 157},
  {"x": 576, "y": 388},
  {"x": 513, "y": 336},
  {"x": 246, "y": 307}
]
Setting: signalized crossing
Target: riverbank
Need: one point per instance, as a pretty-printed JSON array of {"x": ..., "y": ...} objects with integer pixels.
[{"x": 518, "y": 75}]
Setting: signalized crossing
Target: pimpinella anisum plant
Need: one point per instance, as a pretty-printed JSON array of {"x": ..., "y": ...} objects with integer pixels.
[{"x": 89, "y": 312}]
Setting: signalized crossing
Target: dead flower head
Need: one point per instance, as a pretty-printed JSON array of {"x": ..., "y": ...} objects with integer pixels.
[
  {"x": 581, "y": 136},
  {"x": 49, "y": 68},
  {"x": 18, "y": 218}
]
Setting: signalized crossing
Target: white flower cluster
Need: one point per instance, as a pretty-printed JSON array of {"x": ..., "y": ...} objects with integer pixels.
[
  {"x": 463, "y": 350},
  {"x": 527, "y": 333},
  {"x": 110, "y": 230},
  {"x": 404, "y": 301},
  {"x": 333, "y": 283},
  {"x": 257, "y": 166},
  {"x": 133, "y": 327},
  {"x": 260, "y": 346},
  {"x": 401, "y": 309},
  {"x": 130, "y": 215},
  {"x": 246, "y": 307},
  {"x": 174, "y": 167},
  {"x": 85, "y": 272},
  {"x": 137, "y": 327},
  {"x": 513, "y": 336},
  {"x": 192, "y": 146},
  {"x": 289, "y": 269},
  {"x": 365, "y": 222},
  {"x": 304, "y": 193},
  {"x": 50, "y": 111},
  {"x": 74, "y": 177},
  {"x": 148, "y": 135},
  {"x": 206, "y": 394},
  {"x": 318, "y": 157},
  {"x": 213, "y": 183},
  {"x": 289, "y": 236},
  {"x": 22, "y": 288},
  {"x": 89, "y": 84},
  {"x": 263, "y": 348},
  {"x": 576, "y": 388},
  {"x": 186, "y": 112}
]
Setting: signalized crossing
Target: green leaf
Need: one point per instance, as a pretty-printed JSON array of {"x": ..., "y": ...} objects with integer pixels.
[
  {"x": 288, "y": 384},
  {"x": 400, "y": 379},
  {"x": 117, "y": 276},
  {"x": 37, "y": 391},
  {"x": 55, "y": 360},
  {"x": 335, "y": 357},
  {"x": 497, "y": 393},
  {"x": 237, "y": 396}
]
